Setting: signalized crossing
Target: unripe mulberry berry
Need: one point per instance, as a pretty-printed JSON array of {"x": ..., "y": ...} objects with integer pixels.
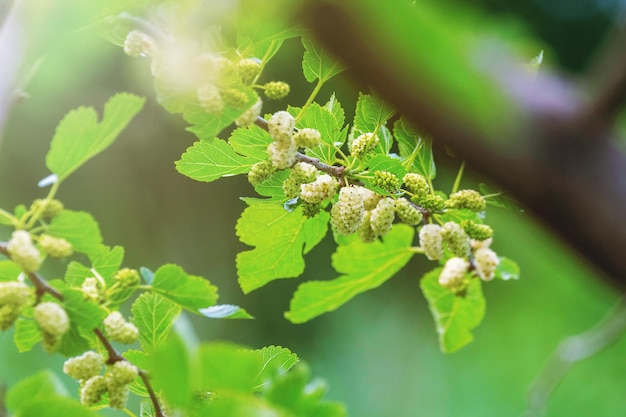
[
  {"x": 322, "y": 188},
  {"x": 458, "y": 241},
  {"x": 364, "y": 144},
  {"x": 370, "y": 198},
  {"x": 118, "y": 330},
  {"x": 138, "y": 43},
  {"x": 8, "y": 314},
  {"x": 416, "y": 184},
  {"x": 122, "y": 373},
  {"x": 477, "y": 244},
  {"x": 118, "y": 396},
  {"x": 431, "y": 241},
  {"x": 281, "y": 126},
  {"x": 233, "y": 97},
  {"x": 486, "y": 261},
  {"x": 260, "y": 171},
  {"x": 51, "y": 318},
  {"x": 275, "y": 90},
  {"x": 127, "y": 277},
  {"x": 304, "y": 172},
  {"x": 23, "y": 252},
  {"x": 250, "y": 116},
  {"x": 85, "y": 366},
  {"x": 453, "y": 273},
  {"x": 407, "y": 213},
  {"x": 15, "y": 293},
  {"x": 387, "y": 181},
  {"x": 283, "y": 154},
  {"x": 365, "y": 231},
  {"x": 92, "y": 390},
  {"x": 431, "y": 202},
  {"x": 310, "y": 209},
  {"x": 210, "y": 99},
  {"x": 91, "y": 289},
  {"x": 308, "y": 138},
  {"x": 467, "y": 199},
  {"x": 291, "y": 187},
  {"x": 55, "y": 246},
  {"x": 248, "y": 69},
  {"x": 382, "y": 217},
  {"x": 51, "y": 208},
  {"x": 477, "y": 231},
  {"x": 347, "y": 212}
]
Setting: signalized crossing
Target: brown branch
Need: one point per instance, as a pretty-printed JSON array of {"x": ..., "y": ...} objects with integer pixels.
[{"x": 543, "y": 158}]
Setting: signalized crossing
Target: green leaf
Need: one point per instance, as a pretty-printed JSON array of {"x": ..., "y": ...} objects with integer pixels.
[
  {"x": 74, "y": 342},
  {"x": 225, "y": 311},
  {"x": 455, "y": 315},
  {"x": 329, "y": 127},
  {"x": 317, "y": 63},
  {"x": 275, "y": 360},
  {"x": 76, "y": 274},
  {"x": 79, "y": 228},
  {"x": 9, "y": 271},
  {"x": 417, "y": 150},
  {"x": 370, "y": 114},
  {"x": 154, "y": 316},
  {"x": 273, "y": 186},
  {"x": 334, "y": 107},
  {"x": 107, "y": 262},
  {"x": 226, "y": 366},
  {"x": 507, "y": 269},
  {"x": 251, "y": 141},
  {"x": 364, "y": 266},
  {"x": 171, "y": 368},
  {"x": 189, "y": 291},
  {"x": 208, "y": 160},
  {"x": 278, "y": 236},
  {"x": 79, "y": 137},
  {"x": 84, "y": 313},
  {"x": 37, "y": 388},
  {"x": 26, "y": 334}
]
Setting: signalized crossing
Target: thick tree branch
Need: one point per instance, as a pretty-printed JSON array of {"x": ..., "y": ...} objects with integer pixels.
[{"x": 575, "y": 185}]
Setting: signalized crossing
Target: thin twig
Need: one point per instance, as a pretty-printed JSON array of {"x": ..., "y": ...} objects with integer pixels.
[{"x": 572, "y": 350}]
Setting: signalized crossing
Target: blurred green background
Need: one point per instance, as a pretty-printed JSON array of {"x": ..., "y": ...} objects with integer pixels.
[{"x": 379, "y": 353}]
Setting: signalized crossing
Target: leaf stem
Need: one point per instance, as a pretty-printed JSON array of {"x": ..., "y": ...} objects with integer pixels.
[
  {"x": 37, "y": 214},
  {"x": 14, "y": 220},
  {"x": 457, "y": 181},
  {"x": 314, "y": 93}
]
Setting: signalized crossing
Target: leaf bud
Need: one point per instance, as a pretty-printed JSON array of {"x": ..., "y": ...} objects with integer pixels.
[
  {"x": 85, "y": 366},
  {"x": 249, "y": 116},
  {"x": 431, "y": 241},
  {"x": 322, "y": 188},
  {"x": 458, "y": 241},
  {"x": 467, "y": 199},
  {"x": 387, "y": 181},
  {"x": 382, "y": 217},
  {"x": 407, "y": 213},
  {"x": 275, "y": 90},
  {"x": 308, "y": 138},
  {"x": 363, "y": 144},
  {"x": 453, "y": 274},
  {"x": 486, "y": 261},
  {"x": 23, "y": 252}
]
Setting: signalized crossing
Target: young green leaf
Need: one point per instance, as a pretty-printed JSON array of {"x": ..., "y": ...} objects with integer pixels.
[
  {"x": 507, "y": 269},
  {"x": 416, "y": 149},
  {"x": 74, "y": 342},
  {"x": 334, "y": 107},
  {"x": 370, "y": 114},
  {"x": 329, "y": 127},
  {"x": 79, "y": 228},
  {"x": 83, "y": 313},
  {"x": 228, "y": 367},
  {"x": 79, "y": 137},
  {"x": 455, "y": 315},
  {"x": 225, "y": 311},
  {"x": 275, "y": 360},
  {"x": 26, "y": 335},
  {"x": 154, "y": 316},
  {"x": 317, "y": 63},
  {"x": 9, "y": 271},
  {"x": 171, "y": 367},
  {"x": 208, "y": 160},
  {"x": 273, "y": 186},
  {"x": 251, "y": 141},
  {"x": 280, "y": 238},
  {"x": 364, "y": 266},
  {"x": 189, "y": 291},
  {"x": 107, "y": 262}
]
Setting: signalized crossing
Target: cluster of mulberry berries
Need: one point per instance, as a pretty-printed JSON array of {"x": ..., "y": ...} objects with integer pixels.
[{"x": 87, "y": 368}]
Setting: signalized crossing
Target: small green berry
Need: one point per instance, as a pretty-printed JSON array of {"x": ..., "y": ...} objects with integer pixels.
[
  {"x": 458, "y": 241},
  {"x": 23, "y": 252},
  {"x": 408, "y": 213},
  {"x": 85, "y": 366},
  {"x": 248, "y": 69},
  {"x": 51, "y": 208},
  {"x": 467, "y": 199},
  {"x": 291, "y": 186},
  {"x": 477, "y": 231},
  {"x": 122, "y": 373},
  {"x": 56, "y": 247},
  {"x": 387, "y": 181},
  {"x": 416, "y": 184},
  {"x": 8, "y": 314},
  {"x": 365, "y": 231},
  {"x": 431, "y": 241},
  {"x": 304, "y": 172},
  {"x": 260, "y": 171},
  {"x": 118, "y": 330},
  {"x": 275, "y": 90},
  {"x": 431, "y": 202},
  {"x": 233, "y": 97},
  {"x": 310, "y": 209},
  {"x": 308, "y": 138},
  {"x": 127, "y": 277},
  {"x": 363, "y": 144},
  {"x": 15, "y": 293},
  {"x": 92, "y": 390}
]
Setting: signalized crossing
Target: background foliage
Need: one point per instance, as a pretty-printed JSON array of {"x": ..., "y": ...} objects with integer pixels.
[{"x": 379, "y": 352}]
